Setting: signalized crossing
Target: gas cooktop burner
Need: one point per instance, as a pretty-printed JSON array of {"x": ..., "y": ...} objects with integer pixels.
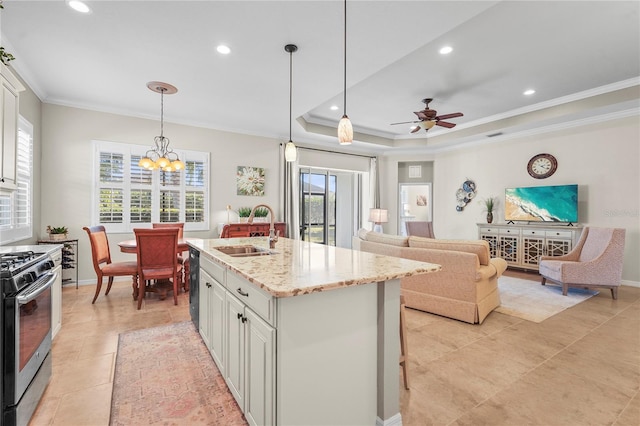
[{"x": 10, "y": 261}]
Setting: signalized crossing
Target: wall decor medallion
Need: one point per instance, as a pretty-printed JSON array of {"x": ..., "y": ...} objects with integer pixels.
[
  {"x": 250, "y": 180},
  {"x": 541, "y": 166},
  {"x": 465, "y": 194}
]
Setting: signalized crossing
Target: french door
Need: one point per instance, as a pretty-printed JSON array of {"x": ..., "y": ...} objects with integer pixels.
[{"x": 318, "y": 189}]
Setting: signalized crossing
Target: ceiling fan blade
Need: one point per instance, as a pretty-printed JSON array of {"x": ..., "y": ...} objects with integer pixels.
[
  {"x": 445, "y": 124},
  {"x": 416, "y": 129},
  {"x": 447, "y": 116},
  {"x": 404, "y": 122}
]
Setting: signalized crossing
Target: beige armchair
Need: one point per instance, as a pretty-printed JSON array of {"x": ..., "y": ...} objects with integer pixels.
[
  {"x": 417, "y": 228},
  {"x": 596, "y": 261}
]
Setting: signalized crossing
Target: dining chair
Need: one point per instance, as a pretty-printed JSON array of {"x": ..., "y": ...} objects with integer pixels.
[
  {"x": 420, "y": 228},
  {"x": 157, "y": 258},
  {"x": 182, "y": 259},
  {"x": 102, "y": 263}
]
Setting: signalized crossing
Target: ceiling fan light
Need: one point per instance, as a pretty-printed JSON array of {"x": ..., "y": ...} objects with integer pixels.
[
  {"x": 345, "y": 131},
  {"x": 428, "y": 124}
]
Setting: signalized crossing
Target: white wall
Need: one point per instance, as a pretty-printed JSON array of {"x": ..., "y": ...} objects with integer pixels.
[
  {"x": 603, "y": 159},
  {"x": 66, "y": 170}
]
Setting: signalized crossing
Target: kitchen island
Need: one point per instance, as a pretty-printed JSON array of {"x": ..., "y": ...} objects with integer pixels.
[{"x": 304, "y": 333}]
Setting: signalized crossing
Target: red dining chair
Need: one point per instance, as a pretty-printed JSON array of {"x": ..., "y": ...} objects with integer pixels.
[
  {"x": 102, "y": 263},
  {"x": 157, "y": 258},
  {"x": 183, "y": 260}
]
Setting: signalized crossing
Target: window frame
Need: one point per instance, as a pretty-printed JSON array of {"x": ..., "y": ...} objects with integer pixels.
[
  {"x": 16, "y": 231},
  {"x": 131, "y": 150}
]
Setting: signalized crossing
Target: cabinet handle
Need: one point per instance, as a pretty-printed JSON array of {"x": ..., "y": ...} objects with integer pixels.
[
  {"x": 208, "y": 284},
  {"x": 244, "y": 319},
  {"x": 239, "y": 315},
  {"x": 242, "y": 293}
]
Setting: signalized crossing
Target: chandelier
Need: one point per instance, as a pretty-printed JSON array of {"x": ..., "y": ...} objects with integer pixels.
[{"x": 161, "y": 156}]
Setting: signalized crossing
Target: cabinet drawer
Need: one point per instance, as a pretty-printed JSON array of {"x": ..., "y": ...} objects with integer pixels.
[
  {"x": 488, "y": 230},
  {"x": 558, "y": 234},
  {"x": 216, "y": 271},
  {"x": 533, "y": 233},
  {"x": 509, "y": 232},
  {"x": 258, "y": 300}
]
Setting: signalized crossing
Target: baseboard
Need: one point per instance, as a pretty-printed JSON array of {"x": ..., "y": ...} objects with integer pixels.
[
  {"x": 631, "y": 283},
  {"x": 395, "y": 420}
]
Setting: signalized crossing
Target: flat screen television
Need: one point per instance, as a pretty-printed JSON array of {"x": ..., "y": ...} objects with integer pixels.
[{"x": 542, "y": 204}]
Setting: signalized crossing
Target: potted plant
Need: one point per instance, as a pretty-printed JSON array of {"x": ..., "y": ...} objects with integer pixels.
[
  {"x": 57, "y": 232},
  {"x": 260, "y": 214},
  {"x": 489, "y": 205},
  {"x": 243, "y": 213}
]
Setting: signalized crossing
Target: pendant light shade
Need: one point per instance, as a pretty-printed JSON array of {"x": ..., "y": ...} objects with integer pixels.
[
  {"x": 290, "y": 150},
  {"x": 345, "y": 129}
]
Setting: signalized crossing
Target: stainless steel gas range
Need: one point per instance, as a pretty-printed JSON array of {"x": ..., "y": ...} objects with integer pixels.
[{"x": 26, "y": 278}]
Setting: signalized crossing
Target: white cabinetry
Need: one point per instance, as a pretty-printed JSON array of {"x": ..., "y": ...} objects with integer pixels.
[
  {"x": 11, "y": 87},
  {"x": 56, "y": 294},
  {"x": 240, "y": 341},
  {"x": 522, "y": 245}
]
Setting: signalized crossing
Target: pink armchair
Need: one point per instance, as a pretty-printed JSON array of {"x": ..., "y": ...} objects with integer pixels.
[{"x": 596, "y": 261}]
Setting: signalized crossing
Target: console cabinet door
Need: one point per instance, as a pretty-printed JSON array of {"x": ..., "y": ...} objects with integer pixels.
[
  {"x": 259, "y": 371},
  {"x": 217, "y": 324},
  {"x": 205, "y": 288},
  {"x": 234, "y": 368}
]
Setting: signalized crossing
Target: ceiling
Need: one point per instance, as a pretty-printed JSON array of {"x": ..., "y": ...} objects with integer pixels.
[{"x": 581, "y": 57}]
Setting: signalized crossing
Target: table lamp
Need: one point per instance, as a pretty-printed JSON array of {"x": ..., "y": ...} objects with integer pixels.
[{"x": 378, "y": 216}]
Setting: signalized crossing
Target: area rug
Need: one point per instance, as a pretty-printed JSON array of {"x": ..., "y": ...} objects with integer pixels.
[
  {"x": 165, "y": 376},
  {"x": 532, "y": 301}
]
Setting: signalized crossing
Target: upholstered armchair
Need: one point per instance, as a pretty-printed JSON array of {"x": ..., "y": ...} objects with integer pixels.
[
  {"x": 596, "y": 261},
  {"x": 417, "y": 228}
]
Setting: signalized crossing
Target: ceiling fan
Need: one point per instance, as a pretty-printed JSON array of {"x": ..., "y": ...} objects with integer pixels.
[{"x": 428, "y": 118}]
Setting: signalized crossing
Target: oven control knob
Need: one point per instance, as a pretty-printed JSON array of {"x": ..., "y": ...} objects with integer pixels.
[
  {"x": 48, "y": 265},
  {"x": 30, "y": 277}
]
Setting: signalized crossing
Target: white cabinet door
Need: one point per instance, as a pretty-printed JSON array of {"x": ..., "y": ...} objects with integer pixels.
[
  {"x": 56, "y": 302},
  {"x": 205, "y": 287},
  {"x": 259, "y": 371},
  {"x": 217, "y": 323},
  {"x": 234, "y": 367}
]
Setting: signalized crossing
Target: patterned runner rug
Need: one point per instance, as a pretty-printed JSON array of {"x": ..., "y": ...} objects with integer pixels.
[
  {"x": 535, "y": 302},
  {"x": 165, "y": 375}
]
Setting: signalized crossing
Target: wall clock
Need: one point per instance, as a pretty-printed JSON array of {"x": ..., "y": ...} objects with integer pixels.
[{"x": 542, "y": 166}]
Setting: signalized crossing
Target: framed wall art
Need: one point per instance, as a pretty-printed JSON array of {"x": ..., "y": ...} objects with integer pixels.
[{"x": 250, "y": 180}]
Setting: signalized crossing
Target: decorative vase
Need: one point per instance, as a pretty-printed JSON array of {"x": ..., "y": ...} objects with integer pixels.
[
  {"x": 489, "y": 217},
  {"x": 244, "y": 219}
]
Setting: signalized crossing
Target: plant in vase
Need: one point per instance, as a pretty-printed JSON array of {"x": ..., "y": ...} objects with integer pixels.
[
  {"x": 489, "y": 205},
  {"x": 57, "y": 232},
  {"x": 243, "y": 213},
  {"x": 261, "y": 214}
]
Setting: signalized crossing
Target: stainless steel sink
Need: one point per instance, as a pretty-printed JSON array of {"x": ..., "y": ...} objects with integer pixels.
[{"x": 244, "y": 251}]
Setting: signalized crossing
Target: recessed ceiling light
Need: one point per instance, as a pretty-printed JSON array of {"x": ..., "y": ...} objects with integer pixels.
[
  {"x": 333, "y": 107},
  {"x": 446, "y": 50},
  {"x": 529, "y": 92},
  {"x": 78, "y": 6},
  {"x": 223, "y": 49}
]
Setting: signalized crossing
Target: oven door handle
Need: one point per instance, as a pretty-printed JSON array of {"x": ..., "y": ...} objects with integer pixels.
[{"x": 32, "y": 295}]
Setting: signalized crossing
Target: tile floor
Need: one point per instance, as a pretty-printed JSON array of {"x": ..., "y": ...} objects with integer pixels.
[{"x": 580, "y": 367}]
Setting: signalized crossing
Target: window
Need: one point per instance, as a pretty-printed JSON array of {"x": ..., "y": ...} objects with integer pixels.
[
  {"x": 16, "y": 217},
  {"x": 128, "y": 196}
]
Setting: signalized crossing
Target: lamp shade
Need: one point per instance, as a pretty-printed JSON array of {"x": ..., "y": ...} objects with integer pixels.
[
  {"x": 290, "y": 152},
  {"x": 345, "y": 131},
  {"x": 378, "y": 216}
]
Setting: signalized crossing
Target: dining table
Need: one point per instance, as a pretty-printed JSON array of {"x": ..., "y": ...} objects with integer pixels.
[{"x": 130, "y": 246}]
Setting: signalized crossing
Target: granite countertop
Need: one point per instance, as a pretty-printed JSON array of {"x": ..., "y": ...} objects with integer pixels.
[
  {"x": 299, "y": 267},
  {"x": 36, "y": 248}
]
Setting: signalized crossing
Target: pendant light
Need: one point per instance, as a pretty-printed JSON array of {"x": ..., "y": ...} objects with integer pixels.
[
  {"x": 161, "y": 156},
  {"x": 345, "y": 130},
  {"x": 290, "y": 151}
]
